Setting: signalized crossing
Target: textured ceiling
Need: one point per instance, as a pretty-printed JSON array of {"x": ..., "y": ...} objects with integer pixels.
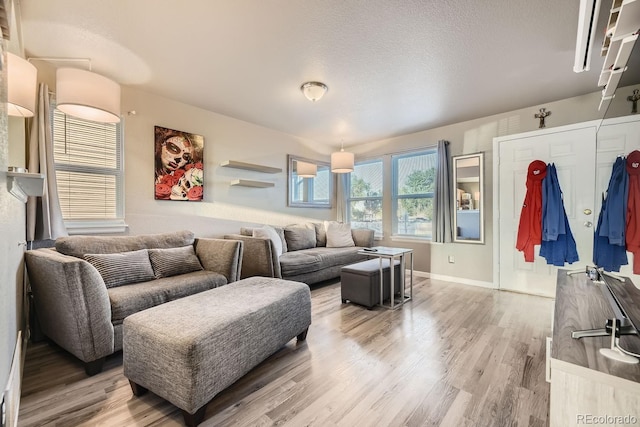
[{"x": 392, "y": 66}]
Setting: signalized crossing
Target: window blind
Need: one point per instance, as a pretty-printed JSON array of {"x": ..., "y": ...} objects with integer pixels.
[{"x": 88, "y": 162}]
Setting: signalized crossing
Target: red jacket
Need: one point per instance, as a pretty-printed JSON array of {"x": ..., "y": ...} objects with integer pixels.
[
  {"x": 530, "y": 228},
  {"x": 632, "y": 231}
]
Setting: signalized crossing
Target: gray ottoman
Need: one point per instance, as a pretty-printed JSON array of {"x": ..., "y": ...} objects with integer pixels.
[
  {"x": 187, "y": 351},
  {"x": 360, "y": 282}
]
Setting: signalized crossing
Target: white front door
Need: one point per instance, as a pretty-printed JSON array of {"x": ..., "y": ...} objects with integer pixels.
[{"x": 573, "y": 150}]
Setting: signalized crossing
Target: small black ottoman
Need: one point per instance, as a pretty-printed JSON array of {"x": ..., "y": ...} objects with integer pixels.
[{"x": 360, "y": 282}]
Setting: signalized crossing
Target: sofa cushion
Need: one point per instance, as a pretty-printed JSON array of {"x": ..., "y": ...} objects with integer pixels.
[
  {"x": 300, "y": 237},
  {"x": 122, "y": 268},
  {"x": 248, "y": 231},
  {"x": 78, "y": 246},
  {"x": 126, "y": 300},
  {"x": 315, "y": 259},
  {"x": 338, "y": 234},
  {"x": 321, "y": 234},
  {"x": 173, "y": 261},
  {"x": 267, "y": 232}
]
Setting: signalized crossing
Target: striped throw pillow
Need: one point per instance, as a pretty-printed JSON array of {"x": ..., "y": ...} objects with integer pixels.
[
  {"x": 122, "y": 268},
  {"x": 173, "y": 261}
]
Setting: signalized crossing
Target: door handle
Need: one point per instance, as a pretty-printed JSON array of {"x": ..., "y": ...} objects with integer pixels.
[{"x": 587, "y": 211}]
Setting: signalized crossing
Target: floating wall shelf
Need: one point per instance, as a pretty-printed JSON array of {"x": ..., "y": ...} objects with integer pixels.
[
  {"x": 23, "y": 184},
  {"x": 251, "y": 183},
  {"x": 249, "y": 166}
]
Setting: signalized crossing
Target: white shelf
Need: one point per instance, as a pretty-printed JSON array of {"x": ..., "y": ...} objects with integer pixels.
[
  {"x": 23, "y": 184},
  {"x": 249, "y": 166},
  {"x": 251, "y": 183}
]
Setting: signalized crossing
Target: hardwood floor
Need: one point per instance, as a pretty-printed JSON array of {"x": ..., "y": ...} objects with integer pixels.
[{"x": 455, "y": 356}]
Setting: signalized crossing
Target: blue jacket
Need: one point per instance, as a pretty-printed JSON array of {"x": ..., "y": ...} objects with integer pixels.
[
  {"x": 609, "y": 250},
  {"x": 558, "y": 245}
]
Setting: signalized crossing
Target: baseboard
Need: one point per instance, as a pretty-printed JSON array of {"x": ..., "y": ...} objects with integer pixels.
[
  {"x": 454, "y": 279},
  {"x": 11, "y": 393}
]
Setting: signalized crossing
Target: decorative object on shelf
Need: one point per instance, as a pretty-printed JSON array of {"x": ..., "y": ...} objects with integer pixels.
[
  {"x": 306, "y": 169},
  {"x": 179, "y": 171},
  {"x": 249, "y": 166},
  {"x": 23, "y": 184},
  {"x": 634, "y": 100},
  {"x": 342, "y": 161},
  {"x": 542, "y": 115},
  {"x": 22, "y": 83},
  {"x": 314, "y": 91},
  {"x": 87, "y": 95}
]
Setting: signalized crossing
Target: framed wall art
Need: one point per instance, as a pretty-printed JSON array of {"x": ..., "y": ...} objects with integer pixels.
[{"x": 179, "y": 173}]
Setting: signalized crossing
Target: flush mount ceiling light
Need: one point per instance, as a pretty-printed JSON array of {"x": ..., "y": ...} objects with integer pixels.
[
  {"x": 22, "y": 83},
  {"x": 87, "y": 95},
  {"x": 314, "y": 90},
  {"x": 342, "y": 161}
]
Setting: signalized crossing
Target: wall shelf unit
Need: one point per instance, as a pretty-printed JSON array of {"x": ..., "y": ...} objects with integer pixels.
[
  {"x": 621, "y": 35},
  {"x": 249, "y": 166},
  {"x": 24, "y": 184},
  {"x": 251, "y": 183}
]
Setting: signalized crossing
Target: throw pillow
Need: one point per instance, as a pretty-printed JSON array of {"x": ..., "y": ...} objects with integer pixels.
[
  {"x": 173, "y": 261},
  {"x": 267, "y": 232},
  {"x": 300, "y": 237},
  {"x": 321, "y": 233},
  {"x": 338, "y": 235},
  {"x": 122, "y": 268}
]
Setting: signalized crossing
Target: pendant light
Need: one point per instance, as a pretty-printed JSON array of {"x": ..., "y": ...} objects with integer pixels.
[
  {"x": 22, "y": 83},
  {"x": 342, "y": 161},
  {"x": 87, "y": 95},
  {"x": 306, "y": 170}
]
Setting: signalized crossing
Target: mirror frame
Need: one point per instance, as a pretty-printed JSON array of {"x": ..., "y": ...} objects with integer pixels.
[
  {"x": 481, "y": 204},
  {"x": 290, "y": 175}
]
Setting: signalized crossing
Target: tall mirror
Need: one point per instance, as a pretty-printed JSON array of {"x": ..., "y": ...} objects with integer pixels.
[
  {"x": 468, "y": 177},
  {"x": 310, "y": 184}
]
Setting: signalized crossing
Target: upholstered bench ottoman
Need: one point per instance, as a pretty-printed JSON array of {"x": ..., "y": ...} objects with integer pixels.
[
  {"x": 360, "y": 282},
  {"x": 187, "y": 351}
]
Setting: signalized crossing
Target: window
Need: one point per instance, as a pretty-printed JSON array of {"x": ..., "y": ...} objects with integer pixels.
[
  {"x": 414, "y": 181},
  {"x": 89, "y": 170},
  {"x": 364, "y": 204}
]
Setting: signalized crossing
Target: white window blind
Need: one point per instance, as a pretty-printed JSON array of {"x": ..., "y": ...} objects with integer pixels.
[{"x": 89, "y": 173}]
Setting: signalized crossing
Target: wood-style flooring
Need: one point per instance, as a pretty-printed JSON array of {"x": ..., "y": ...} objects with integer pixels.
[{"x": 456, "y": 356}]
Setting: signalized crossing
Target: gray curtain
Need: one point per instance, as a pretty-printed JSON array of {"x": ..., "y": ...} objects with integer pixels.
[
  {"x": 443, "y": 212},
  {"x": 44, "y": 218},
  {"x": 341, "y": 197}
]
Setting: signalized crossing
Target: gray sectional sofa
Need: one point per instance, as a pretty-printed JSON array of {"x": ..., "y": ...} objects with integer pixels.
[
  {"x": 85, "y": 287},
  {"x": 303, "y": 260}
]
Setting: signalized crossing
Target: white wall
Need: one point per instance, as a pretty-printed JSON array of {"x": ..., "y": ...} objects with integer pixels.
[{"x": 224, "y": 208}]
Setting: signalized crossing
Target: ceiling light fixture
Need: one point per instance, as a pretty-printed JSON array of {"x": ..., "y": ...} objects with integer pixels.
[
  {"x": 22, "y": 81},
  {"x": 306, "y": 170},
  {"x": 314, "y": 91},
  {"x": 342, "y": 161},
  {"x": 87, "y": 95}
]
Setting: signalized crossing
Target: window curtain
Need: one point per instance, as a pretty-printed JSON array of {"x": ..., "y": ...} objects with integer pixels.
[
  {"x": 341, "y": 198},
  {"x": 44, "y": 217},
  {"x": 443, "y": 213}
]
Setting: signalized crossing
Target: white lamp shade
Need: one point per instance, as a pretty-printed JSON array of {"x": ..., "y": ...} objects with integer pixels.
[
  {"x": 87, "y": 95},
  {"x": 22, "y": 82},
  {"x": 306, "y": 170},
  {"x": 342, "y": 162}
]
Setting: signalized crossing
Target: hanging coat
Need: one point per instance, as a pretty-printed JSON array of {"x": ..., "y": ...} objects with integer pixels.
[
  {"x": 609, "y": 250},
  {"x": 558, "y": 245},
  {"x": 633, "y": 209},
  {"x": 530, "y": 226}
]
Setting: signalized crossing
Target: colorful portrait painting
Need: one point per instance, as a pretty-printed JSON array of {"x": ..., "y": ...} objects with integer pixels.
[{"x": 179, "y": 172}]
